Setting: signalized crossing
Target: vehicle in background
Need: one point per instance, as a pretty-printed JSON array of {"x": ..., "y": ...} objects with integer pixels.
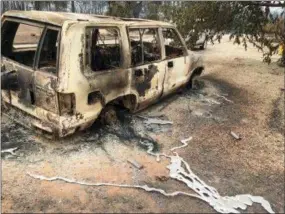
[{"x": 202, "y": 41}]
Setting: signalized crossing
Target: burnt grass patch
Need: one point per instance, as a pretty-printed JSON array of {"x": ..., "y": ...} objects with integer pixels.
[
  {"x": 16, "y": 136},
  {"x": 233, "y": 113},
  {"x": 127, "y": 129}
]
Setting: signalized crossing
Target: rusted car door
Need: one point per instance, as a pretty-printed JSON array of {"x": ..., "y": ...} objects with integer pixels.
[
  {"x": 46, "y": 67},
  {"x": 177, "y": 60},
  {"x": 24, "y": 53},
  {"x": 147, "y": 66},
  {"x": 105, "y": 70},
  {"x": 19, "y": 43}
]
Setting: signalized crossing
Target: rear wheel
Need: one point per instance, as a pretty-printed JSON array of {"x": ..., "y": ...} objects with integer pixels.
[{"x": 108, "y": 115}]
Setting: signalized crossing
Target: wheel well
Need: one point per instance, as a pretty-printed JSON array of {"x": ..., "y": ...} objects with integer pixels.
[
  {"x": 197, "y": 72},
  {"x": 128, "y": 101}
]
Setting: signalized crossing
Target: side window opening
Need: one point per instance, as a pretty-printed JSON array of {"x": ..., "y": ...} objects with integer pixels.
[
  {"x": 105, "y": 50},
  {"x": 48, "y": 54},
  {"x": 19, "y": 41},
  {"x": 145, "y": 46},
  {"x": 172, "y": 43}
]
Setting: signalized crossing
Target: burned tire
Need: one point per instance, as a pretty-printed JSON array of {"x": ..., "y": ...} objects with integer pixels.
[
  {"x": 109, "y": 115},
  {"x": 195, "y": 83},
  {"x": 203, "y": 47}
]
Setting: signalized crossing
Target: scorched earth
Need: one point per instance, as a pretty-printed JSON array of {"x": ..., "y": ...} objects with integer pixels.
[{"x": 237, "y": 93}]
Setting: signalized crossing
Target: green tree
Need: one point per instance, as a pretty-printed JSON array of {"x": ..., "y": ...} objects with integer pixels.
[
  {"x": 244, "y": 21},
  {"x": 129, "y": 9}
]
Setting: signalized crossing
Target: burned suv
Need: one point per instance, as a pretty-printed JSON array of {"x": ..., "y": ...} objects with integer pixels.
[{"x": 60, "y": 70}]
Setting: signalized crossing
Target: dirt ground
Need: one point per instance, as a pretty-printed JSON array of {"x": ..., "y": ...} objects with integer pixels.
[{"x": 253, "y": 165}]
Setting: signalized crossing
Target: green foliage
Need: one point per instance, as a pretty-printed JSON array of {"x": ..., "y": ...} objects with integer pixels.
[
  {"x": 246, "y": 22},
  {"x": 129, "y": 9}
]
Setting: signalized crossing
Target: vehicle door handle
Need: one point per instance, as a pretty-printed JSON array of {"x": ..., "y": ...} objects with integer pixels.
[
  {"x": 170, "y": 64},
  {"x": 138, "y": 72}
]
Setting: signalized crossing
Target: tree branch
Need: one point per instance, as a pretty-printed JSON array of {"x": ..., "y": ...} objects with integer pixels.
[{"x": 267, "y": 4}]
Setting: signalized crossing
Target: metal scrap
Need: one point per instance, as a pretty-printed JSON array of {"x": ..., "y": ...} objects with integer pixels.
[
  {"x": 236, "y": 136},
  {"x": 11, "y": 151},
  {"x": 154, "y": 124},
  {"x": 135, "y": 164}
]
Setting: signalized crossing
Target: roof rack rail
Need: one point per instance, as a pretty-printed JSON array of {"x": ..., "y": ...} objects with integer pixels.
[{"x": 105, "y": 17}]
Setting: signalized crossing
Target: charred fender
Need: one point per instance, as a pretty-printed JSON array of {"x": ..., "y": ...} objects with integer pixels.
[{"x": 197, "y": 72}]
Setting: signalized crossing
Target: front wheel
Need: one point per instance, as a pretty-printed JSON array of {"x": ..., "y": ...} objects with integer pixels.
[
  {"x": 195, "y": 83},
  {"x": 203, "y": 47}
]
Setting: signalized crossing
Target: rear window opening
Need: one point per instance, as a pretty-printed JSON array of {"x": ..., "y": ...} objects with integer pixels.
[
  {"x": 19, "y": 42},
  {"x": 48, "y": 54}
]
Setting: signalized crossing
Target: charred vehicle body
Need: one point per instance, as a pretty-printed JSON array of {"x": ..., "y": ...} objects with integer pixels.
[{"x": 60, "y": 70}]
